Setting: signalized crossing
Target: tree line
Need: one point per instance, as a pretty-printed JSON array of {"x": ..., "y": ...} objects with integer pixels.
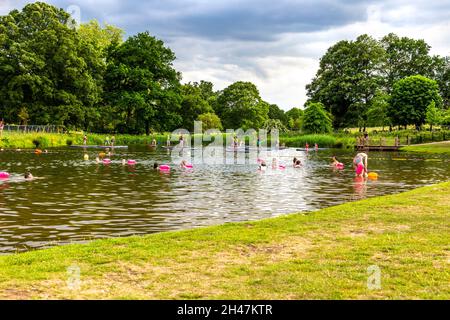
[
  {"x": 89, "y": 77},
  {"x": 394, "y": 81}
]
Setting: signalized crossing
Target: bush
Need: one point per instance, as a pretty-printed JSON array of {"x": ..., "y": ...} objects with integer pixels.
[
  {"x": 316, "y": 119},
  {"x": 36, "y": 143}
]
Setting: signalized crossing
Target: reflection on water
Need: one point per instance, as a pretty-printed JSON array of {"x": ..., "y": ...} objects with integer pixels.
[{"x": 77, "y": 200}]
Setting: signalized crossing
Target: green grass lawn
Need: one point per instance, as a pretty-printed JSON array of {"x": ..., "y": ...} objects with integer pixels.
[
  {"x": 321, "y": 255},
  {"x": 437, "y": 147}
]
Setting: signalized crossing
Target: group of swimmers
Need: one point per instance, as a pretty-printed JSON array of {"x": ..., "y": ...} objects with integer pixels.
[{"x": 360, "y": 164}]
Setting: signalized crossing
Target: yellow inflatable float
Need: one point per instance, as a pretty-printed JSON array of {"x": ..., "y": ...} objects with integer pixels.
[{"x": 372, "y": 175}]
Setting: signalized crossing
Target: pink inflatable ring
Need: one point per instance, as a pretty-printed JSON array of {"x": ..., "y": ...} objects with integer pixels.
[
  {"x": 106, "y": 161},
  {"x": 164, "y": 167},
  {"x": 340, "y": 166},
  {"x": 131, "y": 162},
  {"x": 4, "y": 175}
]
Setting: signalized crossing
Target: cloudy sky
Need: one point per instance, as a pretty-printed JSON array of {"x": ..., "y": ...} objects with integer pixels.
[{"x": 274, "y": 44}]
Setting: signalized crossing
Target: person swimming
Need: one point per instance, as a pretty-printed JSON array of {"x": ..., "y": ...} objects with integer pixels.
[
  {"x": 28, "y": 176},
  {"x": 298, "y": 164},
  {"x": 156, "y": 166},
  {"x": 184, "y": 164},
  {"x": 262, "y": 166},
  {"x": 274, "y": 163},
  {"x": 336, "y": 164},
  {"x": 294, "y": 161}
]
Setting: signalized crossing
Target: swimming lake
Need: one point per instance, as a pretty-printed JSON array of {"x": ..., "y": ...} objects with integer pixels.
[{"x": 73, "y": 200}]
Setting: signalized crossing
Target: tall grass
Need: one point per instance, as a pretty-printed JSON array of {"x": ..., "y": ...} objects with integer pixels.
[
  {"x": 323, "y": 140},
  {"x": 335, "y": 140}
]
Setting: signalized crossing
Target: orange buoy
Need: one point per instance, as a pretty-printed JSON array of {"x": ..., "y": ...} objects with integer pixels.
[{"x": 372, "y": 175}]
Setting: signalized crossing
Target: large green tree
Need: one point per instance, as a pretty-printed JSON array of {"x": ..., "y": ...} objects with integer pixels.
[
  {"x": 46, "y": 69},
  {"x": 240, "y": 106},
  {"x": 194, "y": 103},
  {"x": 275, "y": 113},
  {"x": 410, "y": 98},
  {"x": 442, "y": 76},
  {"x": 405, "y": 57},
  {"x": 294, "y": 119},
  {"x": 101, "y": 40},
  {"x": 378, "y": 114},
  {"x": 142, "y": 86},
  {"x": 347, "y": 80}
]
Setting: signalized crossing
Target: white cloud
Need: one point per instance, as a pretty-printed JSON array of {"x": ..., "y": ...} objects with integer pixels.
[
  {"x": 282, "y": 68},
  {"x": 283, "y": 54}
]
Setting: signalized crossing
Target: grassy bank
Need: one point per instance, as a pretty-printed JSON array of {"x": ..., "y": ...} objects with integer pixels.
[
  {"x": 437, "y": 147},
  {"x": 50, "y": 140},
  {"x": 320, "y": 255}
]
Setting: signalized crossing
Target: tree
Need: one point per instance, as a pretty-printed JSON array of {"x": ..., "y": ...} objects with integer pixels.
[
  {"x": 24, "y": 116},
  {"x": 316, "y": 119},
  {"x": 210, "y": 121},
  {"x": 377, "y": 114},
  {"x": 405, "y": 57},
  {"x": 240, "y": 106},
  {"x": 410, "y": 98},
  {"x": 347, "y": 80},
  {"x": 194, "y": 103},
  {"x": 46, "y": 67},
  {"x": 442, "y": 76},
  {"x": 101, "y": 37},
  {"x": 142, "y": 86},
  {"x": 433, "y": 115},
  {"x": 294, "y": 119},
  {"x": 276, "y": 113},
  {"x": 272, "y": 124},
  {"x": 100, "y": 40}
]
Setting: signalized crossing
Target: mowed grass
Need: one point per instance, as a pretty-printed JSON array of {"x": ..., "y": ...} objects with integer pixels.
[
  {"x": 437, "y": 147},
  {"x": 321, "y": 255}
]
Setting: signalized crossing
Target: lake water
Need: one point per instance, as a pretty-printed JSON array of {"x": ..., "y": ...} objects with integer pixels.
[{"x": 74, "y": 200}]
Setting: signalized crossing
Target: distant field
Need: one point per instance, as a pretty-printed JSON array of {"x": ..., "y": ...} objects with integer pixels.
[{"x": 436, "y": 147}]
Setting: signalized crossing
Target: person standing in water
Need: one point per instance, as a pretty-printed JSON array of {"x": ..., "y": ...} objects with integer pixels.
[
  {"x": 85, "y": 138},
  {"x": 360, "y": 163},
  {"x": 181, "y": 141},
  {"x": 113, "y": 140}
]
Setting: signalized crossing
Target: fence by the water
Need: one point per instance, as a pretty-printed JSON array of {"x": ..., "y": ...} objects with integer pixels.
[{"x": 34, "y": 128}]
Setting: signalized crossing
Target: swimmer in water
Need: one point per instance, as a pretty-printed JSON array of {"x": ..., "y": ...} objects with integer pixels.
[
  {"x": 263, "y": 166},
  {"x": 28, "y": 176},
  {"x": 156, "y": 166},
  {"x": 274, "y": 163},
  {"x": 334, "y": 161},
  {"x": 294, "y": 161},
  {"x": 298, "y": 164}
]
